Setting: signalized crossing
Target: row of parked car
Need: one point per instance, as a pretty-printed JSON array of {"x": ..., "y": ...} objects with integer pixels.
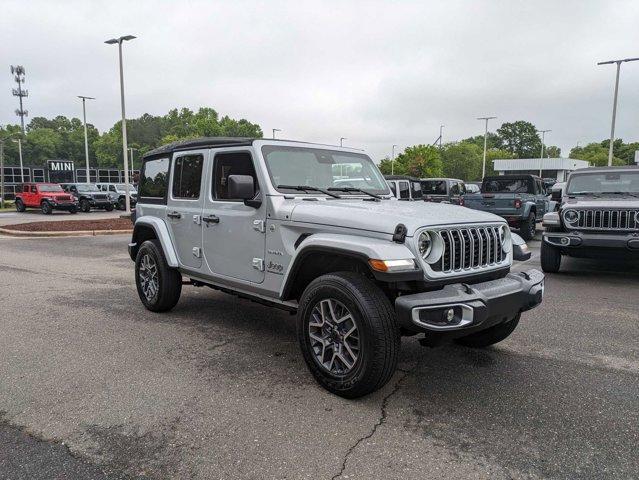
[
  {"x": 73, "y": 197},
  {"x": 522, "y": 200}
]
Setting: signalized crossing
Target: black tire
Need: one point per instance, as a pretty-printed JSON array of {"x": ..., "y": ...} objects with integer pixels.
[
  {"x": 490, "y": 336},
  {"x": 169, "y": 280},
  {"x": 73, "y": 210},
  {"x": 379, "y": 337},
  {"x": 122, "y": 204},
  {"x": 550, "y": 258},
  {"x": 46, "y": 208},
  {"x": 20, "y": 205},
  {"x": 528, "y": 228},
  {"x": 85, "y": 205},
  {"x": 109, "y": 208}
]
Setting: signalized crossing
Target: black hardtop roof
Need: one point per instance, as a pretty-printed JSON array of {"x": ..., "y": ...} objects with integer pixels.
[
  {"x": 441, "y": 179},
  {"x": 401, "y": 177},
  {"x": 507, "y": 177}
]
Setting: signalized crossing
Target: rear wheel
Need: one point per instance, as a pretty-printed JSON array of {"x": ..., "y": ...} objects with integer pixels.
[
  {"x": 490, "y": 336},
  {"x": 348, "y": 334},
  {"x": 550, "y": 258},
  {"x": 159, "y": 286},
  {"x": 528, "y": 227},
  {"x": 20, "y": 205},
  {"x": 46, "y": 208}
]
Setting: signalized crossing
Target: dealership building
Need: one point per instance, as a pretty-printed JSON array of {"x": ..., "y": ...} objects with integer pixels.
[
  {"x": 60, "y": 171},
  {"x": 557, "y": 168}
]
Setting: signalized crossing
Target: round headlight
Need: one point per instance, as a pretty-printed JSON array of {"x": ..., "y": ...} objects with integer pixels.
[
  {"x": 424, "y": 244},
  {"x": 505, "y": 238},
  {"x": 570, "y": 216}
]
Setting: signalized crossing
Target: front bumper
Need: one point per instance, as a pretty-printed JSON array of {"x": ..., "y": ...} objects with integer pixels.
[
  {"x": 475, "y": 307},
  {"x": 101, "y": 203},
  {"x": 67, "y": 206},
  {"x": 577, "y": 240}
]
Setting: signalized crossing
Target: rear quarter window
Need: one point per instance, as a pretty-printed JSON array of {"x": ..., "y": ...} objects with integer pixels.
[{"x": 154, "y": 179}]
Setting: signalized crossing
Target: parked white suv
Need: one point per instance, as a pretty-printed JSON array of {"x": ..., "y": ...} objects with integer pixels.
[{"x": 272, "y": 221}]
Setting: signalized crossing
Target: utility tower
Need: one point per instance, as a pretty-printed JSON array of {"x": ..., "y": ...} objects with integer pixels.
[{"x": 18, "y": 72}]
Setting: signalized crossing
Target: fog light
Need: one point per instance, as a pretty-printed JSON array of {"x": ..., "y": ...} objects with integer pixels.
[
  {"x": 449, "y": 315},
  {"x": 565, "y": 241}
]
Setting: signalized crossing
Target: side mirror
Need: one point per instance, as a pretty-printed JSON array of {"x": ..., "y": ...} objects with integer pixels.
[
  {"x": 242, "y": 187},
  {"x": 555, "y": 195}
]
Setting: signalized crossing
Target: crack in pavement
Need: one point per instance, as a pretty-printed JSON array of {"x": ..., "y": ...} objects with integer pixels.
[{"x": 382, "y": 419}]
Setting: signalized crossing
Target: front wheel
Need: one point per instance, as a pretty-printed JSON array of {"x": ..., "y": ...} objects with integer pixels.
[
  {"x": 85, "y": 206},
  {"x": 73, "y": 210},
  {"x": 122, "y": 204},
  {"x": 46, "y": 208},
  {"x": 159, "y": 286},
  {"x": 348, "y": 334},
  {"x": 109, "y": 208},
  {"x": 550, "y": 258},
  {"x": 528, "y": 227},
  {"x": 490, "y": 336}
]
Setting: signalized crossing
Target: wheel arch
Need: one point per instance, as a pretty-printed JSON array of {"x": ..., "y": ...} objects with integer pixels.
[{"x": 147, "y": 228}]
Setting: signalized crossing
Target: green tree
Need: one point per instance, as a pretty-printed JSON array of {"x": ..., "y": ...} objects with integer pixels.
[
  {"x": 462, "y": 160},
  {"x": 520, "y": 138},
  {"x": 596, "y": 154},
  {"x": 417, "y": 161}
]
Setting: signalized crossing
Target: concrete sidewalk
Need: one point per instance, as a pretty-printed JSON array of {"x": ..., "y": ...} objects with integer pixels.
[{"x": 13, "y": 218}]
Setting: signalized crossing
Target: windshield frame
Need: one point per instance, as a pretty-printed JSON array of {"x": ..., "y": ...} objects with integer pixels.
[
  {"x": 621, "y": 172},
  {"x": 44, "y": 188},
  {"x": 357, "y": 156}
]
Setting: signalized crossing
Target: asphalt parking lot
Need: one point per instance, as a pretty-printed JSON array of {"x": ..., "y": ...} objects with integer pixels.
[{"x": 94, "y": 386}]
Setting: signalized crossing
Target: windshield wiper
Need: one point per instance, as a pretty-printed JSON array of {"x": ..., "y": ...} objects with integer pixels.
[
  {"x": 355, "y": 190},
  {"x": 308, "y": 188}
]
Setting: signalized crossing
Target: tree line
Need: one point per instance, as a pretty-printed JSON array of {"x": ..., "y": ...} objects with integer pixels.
[
  {"x": 463, "y": 159},
  {"x": 63, "y": 138}
]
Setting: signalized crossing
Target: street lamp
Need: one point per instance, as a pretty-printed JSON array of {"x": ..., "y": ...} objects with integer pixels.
[
  {"x": 127, "y": 196},
  {"x": 341, "y": 141},
  {"x": 275, "y": 130},
  {"x": 131, "y": 149},
  {"x": 86, "y": 137},
  {"x": 2, "y": 140},
  {"x": 483, "y": 167},
  {"x": 393, "y": 161},
  {"x": 541, "y": 157},
  {"x": 614, "y": 102}
]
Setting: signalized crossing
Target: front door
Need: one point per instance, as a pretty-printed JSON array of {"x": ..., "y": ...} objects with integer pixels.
[
  {"x": 184, "y": 207},
  {"x": 233, "y": 234}
]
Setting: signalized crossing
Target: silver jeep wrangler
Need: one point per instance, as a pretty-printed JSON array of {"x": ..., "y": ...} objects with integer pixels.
[{"x": 279, "y": 222}]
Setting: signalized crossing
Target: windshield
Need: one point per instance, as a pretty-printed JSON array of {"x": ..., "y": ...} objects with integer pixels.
[
  {"x": 50, "y": 188},
  {"x": 322, "y": 168},
  {"x": 434, "y": 187},
  {"x": 604, "y": 182},
  {"x": 87, "y": 188},
  {"x": 506, "y": 185}
]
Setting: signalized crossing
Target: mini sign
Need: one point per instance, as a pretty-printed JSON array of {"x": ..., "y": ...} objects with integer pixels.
[{"x": 60, "y": 171}]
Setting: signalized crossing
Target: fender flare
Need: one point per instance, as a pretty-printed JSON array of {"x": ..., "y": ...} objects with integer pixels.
[
  {"x": 162, "y": 234},
  {"x": 357, "y": 247},
  {"x": 528, "y": 207}
]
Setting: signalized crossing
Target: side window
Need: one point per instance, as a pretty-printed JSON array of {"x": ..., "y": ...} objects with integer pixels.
[
  {"x": 391, "y": 185},
  {"x": 462, "y": 188},
  {"x": 454, "y": 189},
  {"x": 227, "y": 164},
  {"x": 25, "y": 188},
  {"x": 187, "y": 177},
  {"x": 111, "y": 188},
  {"x": 33, "y": 189},
  {"x": 154, "y": 178},
  {"x": 404, "y": 190},
  {"x": 416, "y": 188}
]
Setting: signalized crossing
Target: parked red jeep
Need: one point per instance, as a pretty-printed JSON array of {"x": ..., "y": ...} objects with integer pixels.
[{"x": 45, "y": 196}]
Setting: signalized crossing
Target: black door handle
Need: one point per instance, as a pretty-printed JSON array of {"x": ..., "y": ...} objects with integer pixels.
[
  {"x": 211, "y": 219},
  {"x": 175, "y": 215}
]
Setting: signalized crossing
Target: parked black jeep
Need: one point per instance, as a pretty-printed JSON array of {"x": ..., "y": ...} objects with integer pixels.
[{"x": 88, "y": 196}]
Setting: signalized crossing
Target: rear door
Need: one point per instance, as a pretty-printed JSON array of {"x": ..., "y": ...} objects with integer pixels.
[
  {"x": 184, "y": 207},
  {"x": 233, "y": 234}
]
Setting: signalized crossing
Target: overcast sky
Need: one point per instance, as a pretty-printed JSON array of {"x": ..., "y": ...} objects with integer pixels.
[{"x": 376, "y": 72}]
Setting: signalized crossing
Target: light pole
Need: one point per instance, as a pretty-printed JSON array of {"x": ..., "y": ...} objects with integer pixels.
[
  {"x": 2, "y": 140},
  {"x": 614, "y": 101},
  {"x": 131, "y": 149},
  {"x": 341, "y": 141},
  {"x": 127, "y": 196},
  {"x": 441, "y": 135},
  {"x": 483, "y": 165},
  {"x": 541, "y": 156},
  {"x": 86, "y": 137},
  {"x": 275, "y": 130},
  {"x": 393, "y": 161}
]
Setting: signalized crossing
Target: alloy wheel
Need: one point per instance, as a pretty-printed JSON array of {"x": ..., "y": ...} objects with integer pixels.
[
  {"x": 334, "y": 337},
  {"x": 148, "y": 273}
]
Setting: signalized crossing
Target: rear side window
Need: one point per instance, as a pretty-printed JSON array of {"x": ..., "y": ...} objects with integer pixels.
[
  {"x": 416, "y": 189},
  {"x": 187, "y": 177},
  {"x": 154, "y": 178}
]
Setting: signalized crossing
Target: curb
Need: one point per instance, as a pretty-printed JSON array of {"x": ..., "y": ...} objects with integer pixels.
[{"x": 70, "y": 233}]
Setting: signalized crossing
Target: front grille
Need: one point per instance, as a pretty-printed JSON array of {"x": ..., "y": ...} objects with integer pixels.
[
  {"x": 99, "y": 196},
  {"x": 606, "y": 220},
  {"x": 63, "y": 198},
  {"x": 470, "y": 248}
]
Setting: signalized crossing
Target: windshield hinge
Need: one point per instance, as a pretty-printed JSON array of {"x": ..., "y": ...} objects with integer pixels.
[{"x": 258, "y": 226}]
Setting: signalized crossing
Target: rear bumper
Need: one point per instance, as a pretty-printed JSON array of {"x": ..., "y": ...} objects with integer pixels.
[{"x": 475, "y": 307}]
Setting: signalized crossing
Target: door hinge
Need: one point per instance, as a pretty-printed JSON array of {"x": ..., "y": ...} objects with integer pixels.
[
  {"x": 197, "y": 219},
  {"x": 258, "y": 225},
  {"x": 258, "y": 264},
  {"x": 197, "y": 252}
]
